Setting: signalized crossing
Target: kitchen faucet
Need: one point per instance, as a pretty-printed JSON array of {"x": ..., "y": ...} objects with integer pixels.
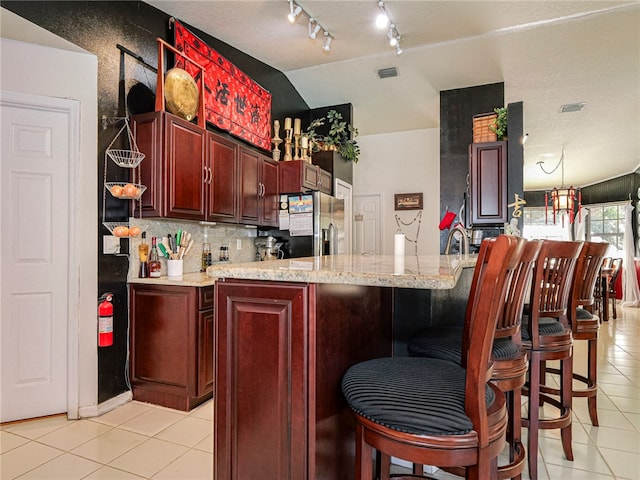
[{"x": 464, "y": 241}]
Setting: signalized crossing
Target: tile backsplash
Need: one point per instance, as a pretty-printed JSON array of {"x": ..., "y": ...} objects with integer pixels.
[{"x": 217, "y": 234}]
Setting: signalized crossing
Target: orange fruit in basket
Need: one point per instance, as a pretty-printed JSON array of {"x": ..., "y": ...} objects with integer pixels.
[
  {"x": 130, "y": 190},
  {"x": 134, "y": 231},
  {"x": 116, "y": 191},
  {"x": 121, "y": 231}
]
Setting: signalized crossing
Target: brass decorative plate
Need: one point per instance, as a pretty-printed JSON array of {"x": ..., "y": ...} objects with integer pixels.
[{"x": 181, "y": 93}]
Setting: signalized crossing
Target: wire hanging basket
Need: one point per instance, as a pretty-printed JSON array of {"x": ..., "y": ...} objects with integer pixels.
[
  {"x": 125, "y": 190},
  {"x": 122, "y": 157}
]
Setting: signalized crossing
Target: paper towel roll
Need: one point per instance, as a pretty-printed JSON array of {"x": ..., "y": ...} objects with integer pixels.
[{"x": 398, "y": 246}]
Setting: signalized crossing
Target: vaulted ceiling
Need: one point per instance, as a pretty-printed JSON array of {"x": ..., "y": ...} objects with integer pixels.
[{"x": 547, "y": 53}]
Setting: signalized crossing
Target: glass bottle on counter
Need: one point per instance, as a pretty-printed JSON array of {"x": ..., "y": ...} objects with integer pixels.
[
  {"x": 155, "y": 266},
  {"x": 206, "y": 252},
  {"x": 224, "y": 253},
  {"x": 143, "y": 252}
]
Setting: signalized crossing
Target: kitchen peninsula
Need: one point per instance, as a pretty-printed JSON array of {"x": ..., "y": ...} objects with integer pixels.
[{"x": 286, "y": 331}]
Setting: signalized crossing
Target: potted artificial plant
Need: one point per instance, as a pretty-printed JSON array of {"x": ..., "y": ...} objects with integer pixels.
[
  {"x": 340, "y": 137},
  {"x": 500, "y": 127}
]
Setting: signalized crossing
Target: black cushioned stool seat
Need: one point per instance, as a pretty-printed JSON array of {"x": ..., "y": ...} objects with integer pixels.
[{"x": 422, "y": 396}]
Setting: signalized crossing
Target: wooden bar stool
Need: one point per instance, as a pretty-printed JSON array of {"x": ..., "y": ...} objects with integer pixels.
[
  {"x": 547, "y": 336},
  {"x": 510, "y": 361},
  {"x": 435, "y": 412},
  {"x": 583, "y": 322}
]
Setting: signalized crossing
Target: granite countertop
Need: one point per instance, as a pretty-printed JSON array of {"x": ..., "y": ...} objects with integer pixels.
[
  {"x": 196, "y": 279},
  {"x": 424, "y": 271}
]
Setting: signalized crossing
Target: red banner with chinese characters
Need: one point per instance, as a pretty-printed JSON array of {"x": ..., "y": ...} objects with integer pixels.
[{"x": 233, "y": 101}]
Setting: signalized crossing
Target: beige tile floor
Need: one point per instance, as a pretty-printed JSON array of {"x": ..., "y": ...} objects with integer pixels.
[{"x": 142, "y": 441}]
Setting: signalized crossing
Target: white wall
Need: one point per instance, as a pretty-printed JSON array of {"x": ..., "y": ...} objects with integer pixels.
[
  {"x": 403, "y": 162},
  {"x": 38, "y": 70}
]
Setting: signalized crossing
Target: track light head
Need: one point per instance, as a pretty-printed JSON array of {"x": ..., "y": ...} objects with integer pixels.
[
  {"x": 326, "y": 43},
  {"x": 382, "y": 20},
  {"x": 314, "y": 29},
  {"x": 294, "y": 11},
  {"x": 393, "y": 36}
]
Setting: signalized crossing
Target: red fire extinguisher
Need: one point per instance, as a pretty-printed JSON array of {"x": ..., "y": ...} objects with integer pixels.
[{"x": 105, "y": 321}]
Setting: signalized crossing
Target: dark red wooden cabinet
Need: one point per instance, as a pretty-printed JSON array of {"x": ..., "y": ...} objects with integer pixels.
[
  {"x": 281, "y": 351},
  {"x": 302, "y": 176},
  {"x": 172, "y": 342},
  {"x": 195, "y": 174},
  {"x": 173, "y": 167},
  {"x": 258, "y": 189},
  {"x": 222, "y": 177},
  {"x": 488, "y": 183}
]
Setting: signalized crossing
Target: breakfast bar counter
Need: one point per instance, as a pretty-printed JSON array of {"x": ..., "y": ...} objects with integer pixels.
[
  {"x": 424, "y": 271},
  {"x": 285, "y": 333}
]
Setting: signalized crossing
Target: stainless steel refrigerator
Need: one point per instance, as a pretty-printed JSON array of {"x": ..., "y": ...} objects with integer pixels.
[{"x": 315, "y": 226}]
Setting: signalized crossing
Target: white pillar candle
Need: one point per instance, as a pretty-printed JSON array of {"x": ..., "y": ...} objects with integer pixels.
[
  {"x": 304, "y": 142},
  {"x": 398, "y": 246},
  {"x": 296, "y": 126},
  {"x": 287, "y": 123},
  {"x": 398, "y": 265}
]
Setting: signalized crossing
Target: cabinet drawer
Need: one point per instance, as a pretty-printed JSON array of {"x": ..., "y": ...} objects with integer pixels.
[{"x": 205, "y": 297}]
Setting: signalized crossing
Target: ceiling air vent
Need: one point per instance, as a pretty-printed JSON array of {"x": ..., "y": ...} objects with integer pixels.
[
  {"x": 388, "y": 72},
  {"x": 572, "y": 107}
]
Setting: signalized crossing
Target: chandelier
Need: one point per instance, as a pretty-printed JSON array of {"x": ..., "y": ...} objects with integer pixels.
[{"x": 564, "y": 200}]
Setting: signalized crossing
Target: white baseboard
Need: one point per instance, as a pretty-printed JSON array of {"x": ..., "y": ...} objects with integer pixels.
[{"x": 104, "y": 407}]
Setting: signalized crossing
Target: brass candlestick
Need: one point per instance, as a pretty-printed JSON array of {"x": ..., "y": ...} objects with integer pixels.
[
  {"x": 276, "y": 140},
  {"x": 287, "y": 144},
  {"x": 296, "y": 147}
]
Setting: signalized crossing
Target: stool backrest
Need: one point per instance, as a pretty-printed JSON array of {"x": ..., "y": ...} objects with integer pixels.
[
  {"x": 586, "y": 274},
  {"x": 551, "y": 286},
  {"x": 487, "y": 305}
]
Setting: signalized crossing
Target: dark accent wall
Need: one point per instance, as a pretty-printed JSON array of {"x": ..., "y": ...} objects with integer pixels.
[
  {"x": 98, "y": 27},
  {"x": 515, "y": 155},
  {"x": 457, "y": 108}
]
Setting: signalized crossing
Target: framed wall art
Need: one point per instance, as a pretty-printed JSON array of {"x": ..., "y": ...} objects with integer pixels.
[{"x": 408, "y": 201}]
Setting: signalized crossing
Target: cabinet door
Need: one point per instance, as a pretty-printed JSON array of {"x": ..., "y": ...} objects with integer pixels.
[
  {"x": 324, "y": 181},
  {"x": 260, "y": 388},
  {"x": 163, "y": 339},
  {"x": 185, "y": 163},
  {"x": 222, "y": 179},
  {"x": 488, "y": 169},
  {"x": 310, "y": 176},
  {"x": 148, "y": 130},
  {"x": 205, "y": 352},
  {"x": 250, "y": 164},
  {"x": 269, "y": 201}
]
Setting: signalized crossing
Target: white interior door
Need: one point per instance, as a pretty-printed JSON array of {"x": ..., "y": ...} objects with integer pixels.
[
  {"x": 343, "y": 190},
  {"x": 37, "y": 144},
  {"x": 367, "y": 224}
]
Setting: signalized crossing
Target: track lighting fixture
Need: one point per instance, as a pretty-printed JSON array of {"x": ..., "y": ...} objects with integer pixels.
[
  {"x": 314, "y": 28},
  {"x": 326, "y": 44},
  {"x": 295, "y": 10},
  {"x": 383, "y": 20}
]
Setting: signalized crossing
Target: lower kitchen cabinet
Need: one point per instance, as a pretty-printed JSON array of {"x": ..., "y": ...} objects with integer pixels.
[
  {"x": 281, "y": 351},
  {"x": 171, "y": 344}
]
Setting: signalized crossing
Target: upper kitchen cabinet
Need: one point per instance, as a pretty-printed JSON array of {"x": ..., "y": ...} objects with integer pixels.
[
  {"x": 174, "y": 166},
  {"x": 488, "y": 183},
  {"x": 196, "y": 174},
  {"x": 258, "y": 189},
  {"x": 301, "y": 176},
  {"x": 222, "y": 179}
]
